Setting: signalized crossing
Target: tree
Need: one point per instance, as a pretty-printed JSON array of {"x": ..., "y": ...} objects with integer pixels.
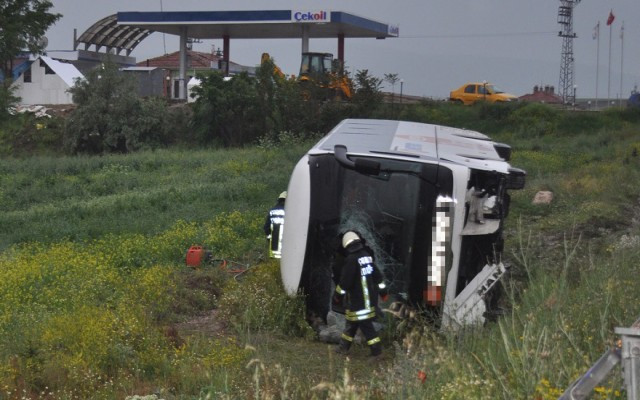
[
  {"x": 6, "y": 99},
  {"x": 392, "y": 79},
  {"x": 23, "y": 23},
  {"x": 281, "y": 100},
  {"x": 111, "y": 117},
  {"x": 367, "y": 97},
  {"x": 227, "y": 112}
]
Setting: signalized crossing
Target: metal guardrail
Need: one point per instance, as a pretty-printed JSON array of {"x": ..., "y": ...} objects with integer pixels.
[{"x": 627, "y": 352}]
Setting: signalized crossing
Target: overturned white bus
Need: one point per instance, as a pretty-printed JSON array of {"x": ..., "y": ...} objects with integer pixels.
[{"x": 429, "y": 200}]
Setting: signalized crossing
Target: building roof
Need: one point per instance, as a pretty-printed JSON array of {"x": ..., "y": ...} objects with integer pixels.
[
  {"x": 265, "y": 24},
  {"x": 542, "y": 95},
  {"x": 197, "y": 60},
  {"x": 19, "y": 65},
  {"x": 107, "y": 33},
  {"x": 67, "y": 72},
  {"x": 144, "y": 69}
]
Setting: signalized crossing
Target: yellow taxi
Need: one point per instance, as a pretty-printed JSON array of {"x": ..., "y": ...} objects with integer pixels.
[{"x": 470, "y": 93}]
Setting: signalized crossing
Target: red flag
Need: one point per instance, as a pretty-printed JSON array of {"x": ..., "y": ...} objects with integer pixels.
[{"x": 611, "y": 18}]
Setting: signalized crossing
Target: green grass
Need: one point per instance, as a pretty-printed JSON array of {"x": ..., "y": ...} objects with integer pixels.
[
  {"x": 95, "y": 300},
  {"x": 47, "y": 199}
]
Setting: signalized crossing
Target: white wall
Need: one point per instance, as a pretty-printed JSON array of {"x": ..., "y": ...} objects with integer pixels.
[{"x": 43, "y": 88}]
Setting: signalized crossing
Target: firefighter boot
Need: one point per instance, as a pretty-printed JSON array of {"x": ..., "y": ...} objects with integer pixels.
[
  {"x": 343, "y": 347},
  {"x": 376, "y": 350}
]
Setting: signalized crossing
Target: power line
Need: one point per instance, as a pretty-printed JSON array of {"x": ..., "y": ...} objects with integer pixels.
[{"x": 475, "y": 35}]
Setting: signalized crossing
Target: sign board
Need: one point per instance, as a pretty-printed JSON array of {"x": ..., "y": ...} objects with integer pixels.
[{"x": 311, "y": 16}]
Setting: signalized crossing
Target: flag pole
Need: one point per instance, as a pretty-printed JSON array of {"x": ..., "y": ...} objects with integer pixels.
[
  {"x": 621, "y": 58},
  {"x": 597, "y": 59},
  {"x": 609, "y": 73}
]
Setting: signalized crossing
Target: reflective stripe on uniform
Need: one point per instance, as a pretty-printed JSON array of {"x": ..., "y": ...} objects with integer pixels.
[
  {"x": 360, "y": 315},
  {"x": 373, "y": 341},
  {"x": 340, "y": 290},
  {"x": 277, "y": 230},
  {"x": 365, "y": 292},
  {"x": 347, "y": 337}
]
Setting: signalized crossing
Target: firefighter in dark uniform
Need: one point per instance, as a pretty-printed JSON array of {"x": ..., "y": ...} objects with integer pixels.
[
  {"x": 274, "y": 227},
  {"x": 362, "y": 283}
]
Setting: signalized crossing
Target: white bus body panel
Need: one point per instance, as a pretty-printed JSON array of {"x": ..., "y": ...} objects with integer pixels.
[
  {"x": 460, "y": 179},
  {"x": 294, "y": 239}
]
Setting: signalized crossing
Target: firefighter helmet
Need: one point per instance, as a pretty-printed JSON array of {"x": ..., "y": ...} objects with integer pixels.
[
  {"x": 283, "y": 195},
  {"x": 348, "y": 238}
]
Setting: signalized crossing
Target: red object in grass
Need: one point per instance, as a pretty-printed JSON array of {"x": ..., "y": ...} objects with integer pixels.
[
  {"x": 422, "y": 376},
  {"x": 195, "y": 256}
]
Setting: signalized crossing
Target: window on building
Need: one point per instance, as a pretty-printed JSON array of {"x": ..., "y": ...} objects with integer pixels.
[
  {"x": 47, "y": 69},
  {"x": 27, "y": 75}
]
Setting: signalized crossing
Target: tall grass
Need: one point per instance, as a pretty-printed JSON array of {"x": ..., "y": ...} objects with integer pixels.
[
  {"x": 48, "y": 199},
  {"x": 95, "y": 300},
  {"x": 575, "y": 268},
  {"x": 561, "y": 322},
  {"x": 88, "y": 320}
]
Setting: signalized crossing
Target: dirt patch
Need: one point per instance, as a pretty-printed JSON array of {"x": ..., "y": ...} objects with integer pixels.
[{"x": 207, "y": 325}]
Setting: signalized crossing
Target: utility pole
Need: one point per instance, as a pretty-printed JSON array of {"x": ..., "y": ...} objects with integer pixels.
[
  {"x": 621, "y": 60},
  {"x": 164, "y": 41},
  {"x": 565, "y": 19},
  {"x": 596, "y": 35},
  {"x": 610, "y": 20}
]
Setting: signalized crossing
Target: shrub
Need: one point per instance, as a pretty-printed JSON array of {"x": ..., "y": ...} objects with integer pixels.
[
  {"x": 7, "y": 100},
  {"x": 111, "y": 117},
  {"x": 24, "y": 134},
  {"x": 227, "y": 112},
  {"x": 67, "y": 312},
  {"x": 534, "y": 120},
  {"x": 267, "y": 308},
  {"x": 367, "y": 97},
  {"x": 84, "y": 319}
]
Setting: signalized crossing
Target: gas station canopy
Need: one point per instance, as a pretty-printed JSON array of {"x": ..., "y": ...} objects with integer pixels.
[
  {"x": 125, "y": 30},
  {"x": 274, "y": 24}
]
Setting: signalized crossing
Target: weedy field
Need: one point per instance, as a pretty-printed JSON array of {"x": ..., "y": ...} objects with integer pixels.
[{"x": 96, "y": 303}]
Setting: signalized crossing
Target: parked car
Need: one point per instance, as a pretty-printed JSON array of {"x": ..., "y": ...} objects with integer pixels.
[{"x": 480, "y": 91}]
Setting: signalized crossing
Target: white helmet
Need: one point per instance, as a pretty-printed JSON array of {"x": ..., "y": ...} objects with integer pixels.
[
  {"x": 348, "y": 238},
  {"x": 283, "y": 195}
]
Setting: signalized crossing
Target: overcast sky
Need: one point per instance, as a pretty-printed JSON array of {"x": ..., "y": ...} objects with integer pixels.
[{"x": 442, "y": 44}]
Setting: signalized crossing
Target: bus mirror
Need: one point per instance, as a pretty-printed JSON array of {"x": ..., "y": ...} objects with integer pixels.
[{"x": 361, "y": 165}]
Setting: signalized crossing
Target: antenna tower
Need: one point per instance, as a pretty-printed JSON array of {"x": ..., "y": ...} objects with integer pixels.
[{"x": 565, "y": 19}]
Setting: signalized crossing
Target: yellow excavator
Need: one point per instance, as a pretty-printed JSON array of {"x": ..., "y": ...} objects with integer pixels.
[
  {"x": 318, "y": 70},
  {"x": 322, "y": 71},
  {"x": 277, "y": 72}
]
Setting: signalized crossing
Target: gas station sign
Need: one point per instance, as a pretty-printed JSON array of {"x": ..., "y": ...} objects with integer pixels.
[{"x": 311, "y": 16}]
